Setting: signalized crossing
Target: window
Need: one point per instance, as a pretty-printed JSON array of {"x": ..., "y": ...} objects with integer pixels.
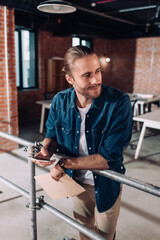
[
  {"x": 25, "y": 59},
  {"x": 81, "y": 41}
]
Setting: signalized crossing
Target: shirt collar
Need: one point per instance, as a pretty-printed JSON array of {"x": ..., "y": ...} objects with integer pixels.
[
  {"x": 72, "y": 99},
  {"x": 96, "y": 103}
]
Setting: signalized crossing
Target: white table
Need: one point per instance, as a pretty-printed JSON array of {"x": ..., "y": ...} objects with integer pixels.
[
  {"x": 46, "y": 104},
  {"x": 139, "y": 100},
  {"x": 142, "y": 99},
  {"x": 151, "y": 120}
]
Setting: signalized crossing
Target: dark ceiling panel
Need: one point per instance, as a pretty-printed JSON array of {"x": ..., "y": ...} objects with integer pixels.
[{"x": 111, "y": 19}]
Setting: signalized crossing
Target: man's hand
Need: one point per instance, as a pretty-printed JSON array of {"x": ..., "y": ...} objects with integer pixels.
[
  {"x": 43, "y": 154},
  {"x": 56, "y": 172}
]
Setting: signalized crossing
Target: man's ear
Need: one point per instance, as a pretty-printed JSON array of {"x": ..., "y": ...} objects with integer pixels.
[{"x": 69, "y": 79}]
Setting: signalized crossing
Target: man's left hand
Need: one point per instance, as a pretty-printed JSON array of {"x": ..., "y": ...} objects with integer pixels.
[{"x": 56, "y": 172}]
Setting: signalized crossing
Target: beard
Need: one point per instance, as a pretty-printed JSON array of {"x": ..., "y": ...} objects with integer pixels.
[{"x": 91, "y": 91}]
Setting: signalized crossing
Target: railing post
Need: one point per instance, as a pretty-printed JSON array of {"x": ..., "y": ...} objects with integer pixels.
[{"x": 32, "y": 191}]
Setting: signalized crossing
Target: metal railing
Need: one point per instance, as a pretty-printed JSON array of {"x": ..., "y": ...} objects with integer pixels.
[{"x": 38, "y": 203}]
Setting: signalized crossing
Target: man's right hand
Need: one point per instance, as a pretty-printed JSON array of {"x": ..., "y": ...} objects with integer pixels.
[{"x": 43, "y": 154}]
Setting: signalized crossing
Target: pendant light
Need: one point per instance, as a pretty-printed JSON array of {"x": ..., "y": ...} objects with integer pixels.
[{"x": 57, "y": 6}]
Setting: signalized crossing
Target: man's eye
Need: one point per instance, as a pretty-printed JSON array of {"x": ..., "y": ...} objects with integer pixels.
[
  {"x": 87, "y": 75},
  {"x": 98, "y": 71}
]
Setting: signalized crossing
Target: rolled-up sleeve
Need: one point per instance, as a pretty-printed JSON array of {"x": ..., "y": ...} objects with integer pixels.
[{"x": 118, "y": 133}]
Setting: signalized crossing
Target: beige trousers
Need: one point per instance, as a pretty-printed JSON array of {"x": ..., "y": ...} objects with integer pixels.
[{"x": 86, "y": 213}]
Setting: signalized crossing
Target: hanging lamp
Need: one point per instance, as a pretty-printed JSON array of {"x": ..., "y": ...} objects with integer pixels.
[{"x": 57, "y": 6}]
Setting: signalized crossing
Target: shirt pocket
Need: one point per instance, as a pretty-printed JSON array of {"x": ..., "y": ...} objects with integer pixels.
[{"x": 63, "y": 133}]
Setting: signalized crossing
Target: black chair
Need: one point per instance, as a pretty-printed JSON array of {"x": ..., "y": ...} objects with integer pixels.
[{"x": 133, "y": 104}]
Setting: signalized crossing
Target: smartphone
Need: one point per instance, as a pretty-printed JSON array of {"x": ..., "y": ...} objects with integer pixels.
[
  {"x": 55, "y": 157},
  {"x": 40, "y": 160}
]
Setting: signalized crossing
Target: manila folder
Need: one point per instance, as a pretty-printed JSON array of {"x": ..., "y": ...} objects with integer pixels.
[{"x": 65, "y": 187}]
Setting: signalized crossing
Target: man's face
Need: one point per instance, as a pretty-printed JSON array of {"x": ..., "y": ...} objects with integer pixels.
[{"x": 87, "y": 77}]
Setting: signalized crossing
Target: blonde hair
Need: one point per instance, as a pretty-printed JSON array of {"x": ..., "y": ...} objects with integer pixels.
[{"x": 72, "y": 54}]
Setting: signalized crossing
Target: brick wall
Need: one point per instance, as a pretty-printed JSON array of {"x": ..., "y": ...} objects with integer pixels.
[
  {"x": 8, "y": 109},
  {"x": 119, "y": 72},
  {"x": 147, "y": 65},
  {"x": 134, "y": 65},
  {"x": 48, "y": 46},
  {"x": 28, "y": 110}
]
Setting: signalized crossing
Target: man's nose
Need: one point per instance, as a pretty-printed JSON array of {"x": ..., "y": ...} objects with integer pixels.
[{"x": 94, "y": 80}]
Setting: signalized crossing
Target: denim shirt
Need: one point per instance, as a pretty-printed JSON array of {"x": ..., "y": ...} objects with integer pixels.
[{"x": 108, "y": 128}]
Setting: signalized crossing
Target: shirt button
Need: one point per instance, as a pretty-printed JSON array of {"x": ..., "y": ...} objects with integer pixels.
[
  {"x": 87, "y": 115},
  {"x": 75, "y": 147},
  {"x": 87, "y": 131},
  {"x": 95, "y": 176},
  {"x": 122, "y": 167},
  {"x": 62, "y": 128},
  {"x": 90, "y": 148},
  {"x": 77, "y": 131},
  {"x": 95, "y": 192},
  {"x": 78, "y": 116}
]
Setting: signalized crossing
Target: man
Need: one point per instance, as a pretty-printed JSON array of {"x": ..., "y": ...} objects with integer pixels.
[{"x": 91, "y": 123}]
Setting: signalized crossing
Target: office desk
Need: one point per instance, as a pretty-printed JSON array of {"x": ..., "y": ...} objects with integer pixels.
[
  {"x": 46, "y": 104},
  {"x": 141, "y": 100},
  {"x": 151, "y": 120}
]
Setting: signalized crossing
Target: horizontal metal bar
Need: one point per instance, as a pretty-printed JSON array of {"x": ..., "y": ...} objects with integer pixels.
[
  {"x": 145, "y": 187},
  {"x": 137, "y": 9},
  {"x": 73, "y": 223},
  {"x": 14, "y": 187},
  {"x": 15, "y": 139},
  {"x": 104, "y": 15}
]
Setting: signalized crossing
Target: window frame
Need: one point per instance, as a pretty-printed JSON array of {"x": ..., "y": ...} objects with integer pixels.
[
  {"x": 81, "y": 38},
  {"x": 21, "y": 80}
]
